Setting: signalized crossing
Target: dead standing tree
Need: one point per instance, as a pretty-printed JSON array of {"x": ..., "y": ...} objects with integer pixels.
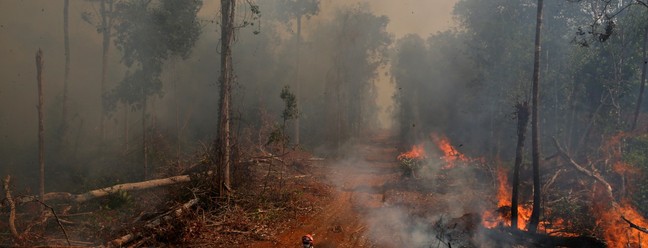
[
  {"x": 41, "y": 132},
  {"x": 66, "y": 41},
  {"x": 522, "y": 111},
  {"x": 535, "y": 143},
  {"x": 222, "y": 145}
]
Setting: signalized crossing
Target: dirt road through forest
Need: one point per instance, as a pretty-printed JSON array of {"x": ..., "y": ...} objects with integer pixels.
[{"x": 357, "y": 179}]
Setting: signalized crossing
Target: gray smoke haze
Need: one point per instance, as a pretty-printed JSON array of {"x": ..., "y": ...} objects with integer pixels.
[{"x": 29, "y": 25}]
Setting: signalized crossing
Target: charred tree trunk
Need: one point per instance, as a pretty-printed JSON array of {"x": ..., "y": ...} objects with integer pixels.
[
  {"x": 41, "y": 132},
  {"x": 223, "y": 139},
  {"x": 535, "y": 214},
  {"x": 643, "y": 79},
  {"x": 66, "y": 41},
  {"x": 522, "y": 111}
]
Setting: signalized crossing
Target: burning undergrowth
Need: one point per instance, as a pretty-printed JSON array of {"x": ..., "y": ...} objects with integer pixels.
[
  {"x": 452, "y": 199},
  {"x": 423, "y": 203},
  {"x": 572, "y": 207}
]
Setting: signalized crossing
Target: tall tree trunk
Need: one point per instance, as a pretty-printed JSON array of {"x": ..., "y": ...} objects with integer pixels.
[
  {"x": 643, "y": 79},
  {"x": 297, "y": 81},
  {"x": 66, "y": 41},
  {"x": 144, "y": 143},
  {"x": 41, "y": 131},
  {"x": 522, "y": 111},
  {"x": 126, "y": 137},
  {"x": 535, "y": 142},
  {"x": 106, "y": 25},
  {"x": 223, "y": 139}
]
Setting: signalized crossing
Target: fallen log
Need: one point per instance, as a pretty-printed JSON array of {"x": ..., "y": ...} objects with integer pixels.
[
  {"x": 152, "y": 224},
  {"x": 98, "y": 193},
  {"x": 505, "y": 235}
]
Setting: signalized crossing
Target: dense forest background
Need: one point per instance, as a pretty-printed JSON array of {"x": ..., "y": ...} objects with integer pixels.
[{"x": 348, "y": 69}]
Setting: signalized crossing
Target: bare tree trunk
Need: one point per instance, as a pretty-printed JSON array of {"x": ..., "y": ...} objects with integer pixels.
[
  {"x": 12, "y": 209},
  {"x": 535, "y": 142},
  {"x": 643, "y": 79},
  {"x": 106, "y": 25},
  {"x": 66, "y": 41},
  {"x": 41, "y": 132},
  {"x": 297, "y": 81},
  {"x": 126, "y": 137},
  {"x": 144, "y": 143},
  {"x": 223, "y": 139},
  {"x": 523, "y": 119}
]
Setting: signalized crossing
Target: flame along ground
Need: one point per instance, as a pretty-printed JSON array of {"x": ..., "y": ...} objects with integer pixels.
[{"x": 616, "y": 232}]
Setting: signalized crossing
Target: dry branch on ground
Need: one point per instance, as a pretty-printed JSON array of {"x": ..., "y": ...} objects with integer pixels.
[{"x": 152, "y": 224}]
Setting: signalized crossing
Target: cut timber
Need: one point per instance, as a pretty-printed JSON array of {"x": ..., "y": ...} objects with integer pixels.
[
  {"x": 98, "y": 193},
  {"x": 151, "y": 225}
]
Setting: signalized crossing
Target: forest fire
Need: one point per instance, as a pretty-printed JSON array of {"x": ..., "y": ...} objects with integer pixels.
[
  {"x": 616, "y": 231},
  {"x": 417, "y": 152},
  {"x": 502, "y": 216},
  {"x": 450, "y": 155}
]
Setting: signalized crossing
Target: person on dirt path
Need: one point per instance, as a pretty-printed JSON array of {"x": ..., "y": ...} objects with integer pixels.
[{"x": 308, "y": 241}]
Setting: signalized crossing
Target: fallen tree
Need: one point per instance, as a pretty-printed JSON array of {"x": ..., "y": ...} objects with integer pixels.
[
  {"x": 581, "y": 169},
  {"x": 504, "y": 235},
  {"x": 615, "y": 205},
  {"x": 103, "y": 192},
  {"x": 153, "y": 224}
]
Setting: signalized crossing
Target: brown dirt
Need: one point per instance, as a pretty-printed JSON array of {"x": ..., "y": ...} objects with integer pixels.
[{"x": 356, "y": 180}]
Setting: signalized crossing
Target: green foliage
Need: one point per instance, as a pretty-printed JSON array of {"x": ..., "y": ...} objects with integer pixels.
[
  {"x": 287, "y": 10},
  {"x": 117, "y": 200},
  {"x": 411, "y": 166},
  {"x": 290, "y": 110},
  {"x": 277, "y": 136},
  {"x": 148, "y": 33}
]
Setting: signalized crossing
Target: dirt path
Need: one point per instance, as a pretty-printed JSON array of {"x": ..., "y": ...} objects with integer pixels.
[{"x": 358, "y": 180}]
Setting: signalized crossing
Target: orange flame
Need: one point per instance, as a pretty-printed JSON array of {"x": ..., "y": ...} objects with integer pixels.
[
  {"x": 502, "y": 216},
  {"x": 450, "y": 154},
  {"x": 616, "y": 231},
  {"x": 499, "y": 217},
  {"x": 416, "y": 152}
]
